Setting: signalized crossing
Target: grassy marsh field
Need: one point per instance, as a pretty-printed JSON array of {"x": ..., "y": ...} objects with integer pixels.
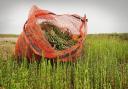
[{"x": 104, "y": 65}]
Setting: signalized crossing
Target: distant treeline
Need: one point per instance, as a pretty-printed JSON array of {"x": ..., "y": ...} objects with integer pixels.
[
  {"x": 123, "y": 36},
  {"x": 8, "y": 35}
]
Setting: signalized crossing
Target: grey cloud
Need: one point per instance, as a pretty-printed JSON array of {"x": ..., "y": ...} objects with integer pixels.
[{"x": 105, "y": 16}]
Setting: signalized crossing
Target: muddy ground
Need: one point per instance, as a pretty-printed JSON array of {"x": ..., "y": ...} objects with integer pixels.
[{"x": 8, "y": 39}]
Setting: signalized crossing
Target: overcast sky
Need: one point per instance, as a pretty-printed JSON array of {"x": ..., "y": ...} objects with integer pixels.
[{"x": 104, "y": 16}]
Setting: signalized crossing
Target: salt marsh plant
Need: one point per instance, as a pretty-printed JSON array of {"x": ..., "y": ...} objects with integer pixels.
[{"x": 104, "y": 65}]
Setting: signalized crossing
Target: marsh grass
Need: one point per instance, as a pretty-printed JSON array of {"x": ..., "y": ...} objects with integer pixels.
[{"x": 103, "y": 66}]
